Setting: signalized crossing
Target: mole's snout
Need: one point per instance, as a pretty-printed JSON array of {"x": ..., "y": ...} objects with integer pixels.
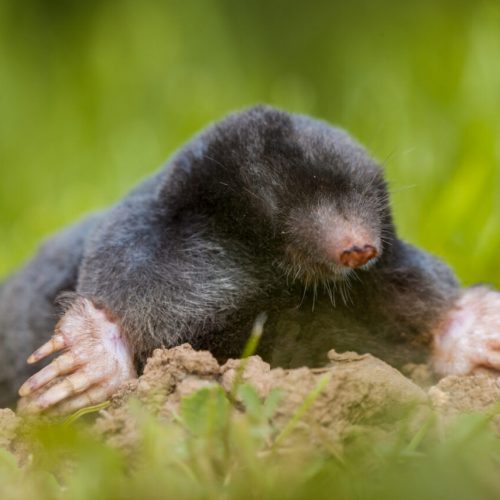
[{"x": 356, "y": 256}]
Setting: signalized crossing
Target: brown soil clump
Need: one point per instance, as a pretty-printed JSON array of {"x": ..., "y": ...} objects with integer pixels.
[
  {"x": 356, "y": 390},
  {"x": 8, "y": 426},
  {"x": 455, "y": 395},
  {"x": 353, "y": 391}
]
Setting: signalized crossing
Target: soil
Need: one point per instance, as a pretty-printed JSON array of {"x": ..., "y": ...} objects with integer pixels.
[
  {"x": 354, "y": 391},
  {"x": 358, "y": 391}
]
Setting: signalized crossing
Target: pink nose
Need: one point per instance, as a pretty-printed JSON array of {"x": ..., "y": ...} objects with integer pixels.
[{"x": 355, "y": 256}]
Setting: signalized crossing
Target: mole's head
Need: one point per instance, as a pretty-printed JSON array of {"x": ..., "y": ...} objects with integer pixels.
[{"x": 324, "y": 198}]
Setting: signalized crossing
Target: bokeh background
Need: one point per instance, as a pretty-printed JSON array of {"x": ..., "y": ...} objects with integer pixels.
[{"x": 96, "y": 95}]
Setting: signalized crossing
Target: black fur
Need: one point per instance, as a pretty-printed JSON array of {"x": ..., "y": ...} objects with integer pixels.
[{"x": 232, "y": 226}]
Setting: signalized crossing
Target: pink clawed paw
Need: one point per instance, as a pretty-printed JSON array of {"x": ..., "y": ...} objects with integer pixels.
[
  {"x": 95, "y": 362},
  {"x": 468, "y": 341}
]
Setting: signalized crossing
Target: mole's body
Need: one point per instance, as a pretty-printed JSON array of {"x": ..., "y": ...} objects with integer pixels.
[{"x": 264, "y": 211}]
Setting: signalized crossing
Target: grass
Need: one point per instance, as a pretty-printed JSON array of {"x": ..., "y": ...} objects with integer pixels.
[
  {"x": 97, "y": 95},
  {"x": 219, "y": 444},
  {"x": 213, "y": 451}
]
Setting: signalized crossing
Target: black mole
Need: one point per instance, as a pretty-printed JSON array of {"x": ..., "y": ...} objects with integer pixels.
[{"x": 263, "y": 211}]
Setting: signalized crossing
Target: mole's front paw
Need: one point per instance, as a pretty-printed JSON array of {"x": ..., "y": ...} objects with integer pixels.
[
  {"x": 469, "y": 339},
  {"x": 95, "y": 363}
]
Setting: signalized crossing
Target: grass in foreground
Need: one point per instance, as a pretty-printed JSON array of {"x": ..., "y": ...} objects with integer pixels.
[{"x": 214, "y": 451}]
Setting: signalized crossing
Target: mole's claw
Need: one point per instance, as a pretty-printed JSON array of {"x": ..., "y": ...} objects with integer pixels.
[
  {"x": 95, "y": 395},
  {"x": 60, "y": 366},
  {"x": 97, "y": 361},
  {"x": 55, "y": 344},
  {"x": 71, "y": 385},
  {"x": 492, "y": 360},
  {"x": 494, "y": 345},
  {"x": 468, "y": 340}
]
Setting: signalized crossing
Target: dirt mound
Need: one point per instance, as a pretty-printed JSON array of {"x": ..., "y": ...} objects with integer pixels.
[
  {"x": 455, "y": 395},
  {"x": 358, "y": 390},
  {"x": 352, "y": 391},
  {"x": 8, "y": 425}
]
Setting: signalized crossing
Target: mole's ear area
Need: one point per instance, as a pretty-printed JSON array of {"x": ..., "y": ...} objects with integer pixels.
[{"x": 263, "y": 185}]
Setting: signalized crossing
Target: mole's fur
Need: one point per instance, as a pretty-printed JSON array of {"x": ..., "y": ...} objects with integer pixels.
[{"x": 263, "y": 211}]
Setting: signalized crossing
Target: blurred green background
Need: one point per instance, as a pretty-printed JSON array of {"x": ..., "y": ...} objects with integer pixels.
[{"x": 96, "y": 95}]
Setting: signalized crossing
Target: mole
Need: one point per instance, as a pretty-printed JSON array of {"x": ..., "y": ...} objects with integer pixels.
[{"x": 263, "y": 211}]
